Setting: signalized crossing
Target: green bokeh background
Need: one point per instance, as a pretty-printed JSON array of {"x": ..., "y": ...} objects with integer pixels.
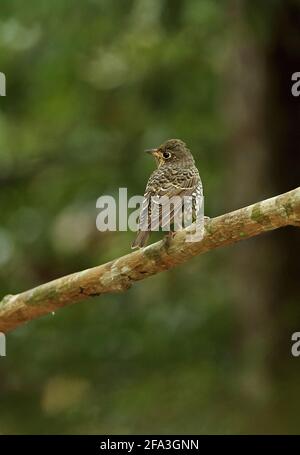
[{"x": 204, "y": 348}]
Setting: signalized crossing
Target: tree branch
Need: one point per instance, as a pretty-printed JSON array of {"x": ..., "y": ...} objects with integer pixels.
[{"x": 119, "y": 274}]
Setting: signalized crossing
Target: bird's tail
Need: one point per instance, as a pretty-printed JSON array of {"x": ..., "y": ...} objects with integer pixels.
[{"x": 140, "y": 240}]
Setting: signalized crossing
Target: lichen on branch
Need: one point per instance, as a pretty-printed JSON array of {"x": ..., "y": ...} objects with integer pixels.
[{"x": 118, "y": 275}]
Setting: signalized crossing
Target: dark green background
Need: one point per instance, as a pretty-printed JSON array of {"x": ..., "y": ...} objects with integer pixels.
[{"x": 204, "y": 348}]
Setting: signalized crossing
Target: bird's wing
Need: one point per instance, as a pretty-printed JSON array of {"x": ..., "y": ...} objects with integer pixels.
[{"x": 169, "y": 183}]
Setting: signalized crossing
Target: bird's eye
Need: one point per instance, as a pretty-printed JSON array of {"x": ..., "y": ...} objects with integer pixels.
[{"x": 166, "y": 155}]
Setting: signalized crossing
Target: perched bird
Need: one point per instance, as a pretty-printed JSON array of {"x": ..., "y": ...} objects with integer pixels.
[{"x": 176, "y": 175}]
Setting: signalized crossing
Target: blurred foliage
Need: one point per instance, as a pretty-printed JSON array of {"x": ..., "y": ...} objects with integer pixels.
[{"x": 90, "y": 85}]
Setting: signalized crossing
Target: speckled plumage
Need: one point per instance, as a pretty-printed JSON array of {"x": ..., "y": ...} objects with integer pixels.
[{"x": 176, "y": 175}]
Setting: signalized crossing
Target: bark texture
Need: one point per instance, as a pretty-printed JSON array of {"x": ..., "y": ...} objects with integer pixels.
[{"x": 119, "y": 274}]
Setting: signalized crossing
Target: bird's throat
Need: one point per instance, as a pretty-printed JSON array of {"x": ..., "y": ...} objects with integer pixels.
[{"x": 159, "y": 160}]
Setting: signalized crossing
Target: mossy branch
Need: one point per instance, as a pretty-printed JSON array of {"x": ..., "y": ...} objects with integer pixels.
[{"x": 119, "y": 274}]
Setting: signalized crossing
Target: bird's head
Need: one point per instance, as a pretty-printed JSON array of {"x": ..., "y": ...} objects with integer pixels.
[{"x": 172, "y": 151}]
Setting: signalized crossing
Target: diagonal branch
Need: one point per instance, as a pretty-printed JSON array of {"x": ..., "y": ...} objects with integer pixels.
[{"x": 119, "y": 274}]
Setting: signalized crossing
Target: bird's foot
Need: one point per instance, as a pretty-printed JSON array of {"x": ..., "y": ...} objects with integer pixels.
[
  {"x": 171, "y": 234},
  {"x": 168, "y": 237}
]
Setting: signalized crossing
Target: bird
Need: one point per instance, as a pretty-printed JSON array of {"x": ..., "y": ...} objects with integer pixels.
[{"x": 176, "y": 175}]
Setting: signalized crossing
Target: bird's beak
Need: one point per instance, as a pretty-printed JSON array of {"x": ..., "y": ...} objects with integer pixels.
[{"x": 153, "y": 152}]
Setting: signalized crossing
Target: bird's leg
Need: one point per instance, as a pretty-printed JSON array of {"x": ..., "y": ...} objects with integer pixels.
[{"x": 168, "y": 237}]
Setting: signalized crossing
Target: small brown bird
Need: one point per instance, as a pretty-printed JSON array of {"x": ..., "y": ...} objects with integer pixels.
[{"x": 176, "y": 175}]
